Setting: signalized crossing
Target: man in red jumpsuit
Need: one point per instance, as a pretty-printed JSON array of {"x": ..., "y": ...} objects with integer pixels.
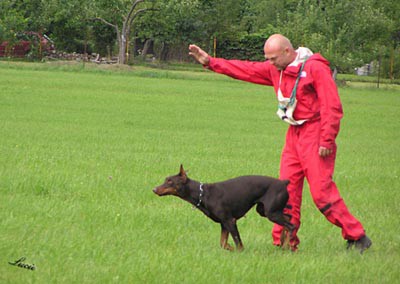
[{"x": 308, "y": 100}]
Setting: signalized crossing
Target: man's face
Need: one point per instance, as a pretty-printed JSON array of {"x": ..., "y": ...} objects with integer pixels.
[{"x": 277, "y": 57}]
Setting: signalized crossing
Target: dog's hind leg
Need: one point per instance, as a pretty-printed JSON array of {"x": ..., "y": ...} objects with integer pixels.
[
  {"x": 281, "y": 219},
  {"x": 284, "y": 220},
  {"x": 224, "y": 239},
  {"x": 260, "y": 209},
  {"x": 276, "y": 216},
  {"x": 285, "y": 238}
]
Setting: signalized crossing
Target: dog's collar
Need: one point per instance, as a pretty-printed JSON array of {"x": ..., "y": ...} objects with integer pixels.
[{"x": 200, "y": 195}]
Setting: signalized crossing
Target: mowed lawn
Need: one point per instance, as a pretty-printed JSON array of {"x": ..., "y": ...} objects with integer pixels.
[{"x": 81, "y": 150}]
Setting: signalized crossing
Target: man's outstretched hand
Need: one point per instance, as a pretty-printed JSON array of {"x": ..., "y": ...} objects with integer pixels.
[{"x": 200, "y": 55}]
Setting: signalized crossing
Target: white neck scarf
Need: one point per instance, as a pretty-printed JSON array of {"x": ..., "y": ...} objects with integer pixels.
[{"x": 287, "y": 106}]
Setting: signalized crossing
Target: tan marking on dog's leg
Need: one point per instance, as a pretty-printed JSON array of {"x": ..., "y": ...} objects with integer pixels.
[
  {"x": 240, "y": 247},
  {"x": 292, "y": 247},
  {"x": 285, "y": 239},
  {"x": 224, "y": 240}
]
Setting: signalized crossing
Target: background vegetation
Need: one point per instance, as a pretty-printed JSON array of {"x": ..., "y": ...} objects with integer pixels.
[
  {"x": 349, "y": 33},
  {"x": 81, "y": 148}
]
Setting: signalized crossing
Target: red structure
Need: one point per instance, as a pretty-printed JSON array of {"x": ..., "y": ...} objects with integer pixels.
[{"x": 26, "y": 42}]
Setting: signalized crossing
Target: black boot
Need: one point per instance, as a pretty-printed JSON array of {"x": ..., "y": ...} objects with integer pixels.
[{"x": 362, "y": 244}]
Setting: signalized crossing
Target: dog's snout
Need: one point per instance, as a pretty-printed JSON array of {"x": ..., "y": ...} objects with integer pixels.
[{"x": 157, "y": 191}]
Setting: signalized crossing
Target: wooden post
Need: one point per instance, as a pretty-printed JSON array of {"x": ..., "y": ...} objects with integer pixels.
[
  {"x": 215, "y": 46},
  {"x": 127, "y": 50},
  {"x": 391, "y": 63},
  {"x": 379, "y": 70}
]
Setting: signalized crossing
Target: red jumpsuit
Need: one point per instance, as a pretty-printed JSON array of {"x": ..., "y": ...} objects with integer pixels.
[{"x": 318, "y": 102}]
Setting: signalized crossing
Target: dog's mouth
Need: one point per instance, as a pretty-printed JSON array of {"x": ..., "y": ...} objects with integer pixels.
[{"x": 161, "y": 191}]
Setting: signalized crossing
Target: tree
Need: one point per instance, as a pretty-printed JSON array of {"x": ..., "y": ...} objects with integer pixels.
[
  {"x": 18, "y": 18},
  {"x": 12, "y": 20},
  {"x": 121, "y": 22},
  {"x": 349, "y": 33},
  {"x": 171, "y": 27},
  {"x": 392, "y": 11}
]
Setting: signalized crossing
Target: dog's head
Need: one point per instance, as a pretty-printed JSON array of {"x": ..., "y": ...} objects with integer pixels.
[{"x": 173, "y": 185}]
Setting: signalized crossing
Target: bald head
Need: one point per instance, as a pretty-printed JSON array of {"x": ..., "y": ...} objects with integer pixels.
[
  {"x": 279, "y": 51},
  {"x": 277, "y": 41}
]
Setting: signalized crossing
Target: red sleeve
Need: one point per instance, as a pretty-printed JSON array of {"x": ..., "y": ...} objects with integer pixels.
[
  {"x": 249, "y": 71},
  {"x": 330, "y": 106}
]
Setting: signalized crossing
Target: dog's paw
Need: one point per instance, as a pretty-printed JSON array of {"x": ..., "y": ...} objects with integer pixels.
[{"x": 228, "y": 247}]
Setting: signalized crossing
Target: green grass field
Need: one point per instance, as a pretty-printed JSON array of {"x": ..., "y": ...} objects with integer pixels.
[{"x": 81, "y": 149}]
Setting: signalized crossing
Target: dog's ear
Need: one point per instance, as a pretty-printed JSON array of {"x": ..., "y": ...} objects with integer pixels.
[
  {"x": 286, "y": 182},
  {"x": 182, "y": 173}
]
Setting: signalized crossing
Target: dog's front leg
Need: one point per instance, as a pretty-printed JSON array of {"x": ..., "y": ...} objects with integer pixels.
[
  {"x": 233, "y": 230},
  {"x": 224, "y": 238}
]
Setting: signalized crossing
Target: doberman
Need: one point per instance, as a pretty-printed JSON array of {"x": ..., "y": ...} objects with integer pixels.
[{"x": 227, "y": 201}]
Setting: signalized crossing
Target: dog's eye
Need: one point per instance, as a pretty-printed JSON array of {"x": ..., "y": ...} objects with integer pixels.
[{"x": 169, "y": 181}]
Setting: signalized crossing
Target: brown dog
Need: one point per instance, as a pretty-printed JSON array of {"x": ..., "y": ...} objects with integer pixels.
[{"x": 226, "y": 202}]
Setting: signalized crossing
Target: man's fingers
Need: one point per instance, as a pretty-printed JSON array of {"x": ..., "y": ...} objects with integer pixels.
[
  {"x": 194, "y": 50},
  {"x": 200, "y": 55},
  {"x": 324, "y": 152}
]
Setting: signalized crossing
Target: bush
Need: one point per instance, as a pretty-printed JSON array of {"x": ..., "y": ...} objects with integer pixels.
[{"x": 245, "y": 46}]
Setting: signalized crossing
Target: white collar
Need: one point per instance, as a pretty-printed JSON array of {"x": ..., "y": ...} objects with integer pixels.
[{"x": 302, "y": 54}]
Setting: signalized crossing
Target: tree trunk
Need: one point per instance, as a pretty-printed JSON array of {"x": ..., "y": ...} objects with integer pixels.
[
  {"x": 146, "y": 47},
  {"x": 164, "y": 51},
  {"x": 122, "y": 46}
]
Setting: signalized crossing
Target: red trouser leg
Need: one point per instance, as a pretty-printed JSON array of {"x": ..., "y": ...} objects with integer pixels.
[
  {"x": 326, "y": 196},
  {"x": 291, "y": 169},
  {"x": 300, "y": 158}
]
